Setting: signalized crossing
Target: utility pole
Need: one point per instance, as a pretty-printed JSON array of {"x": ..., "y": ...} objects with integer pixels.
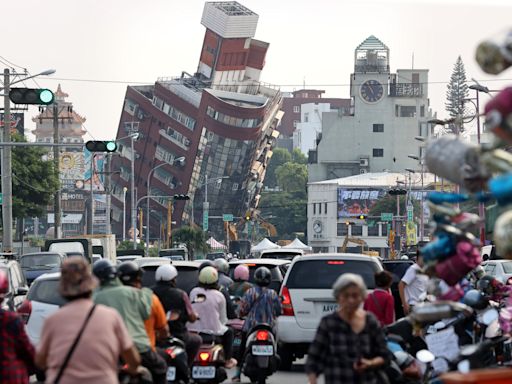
[
  {"x": 56, "y": 154},
  {"x": 90, "y": 222},
  {"x": 169, "y": 223},
  {"x": 132, "y": 195},
  {"x": 7, "y": 168},
  {"x": 108, "y": 196}
]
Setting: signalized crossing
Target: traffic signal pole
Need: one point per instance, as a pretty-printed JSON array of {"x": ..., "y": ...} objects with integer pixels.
[
  {"x": 7, "y": 169},
  {"x": 57, "y": 216}
]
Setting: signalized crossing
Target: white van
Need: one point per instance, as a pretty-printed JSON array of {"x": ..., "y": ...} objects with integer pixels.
[{"x": 281, "y": 253}]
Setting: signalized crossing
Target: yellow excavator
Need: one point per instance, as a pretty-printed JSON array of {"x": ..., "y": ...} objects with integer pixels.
[{"x": 364, "y": 246}]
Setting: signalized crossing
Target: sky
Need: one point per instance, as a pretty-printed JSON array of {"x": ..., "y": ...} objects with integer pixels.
[{"x": 99, "y": 47}]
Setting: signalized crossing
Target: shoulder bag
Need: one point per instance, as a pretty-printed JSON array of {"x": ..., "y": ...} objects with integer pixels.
[{"x": 73, "y": 346}]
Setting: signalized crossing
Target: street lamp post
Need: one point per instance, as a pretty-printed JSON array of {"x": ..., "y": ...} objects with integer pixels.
[
  {"x": 6, "y": 160},
  {"x": 179, "y": 160},
  {"x": 124, "y": 212},
  {"x": 205, "y": 184}
]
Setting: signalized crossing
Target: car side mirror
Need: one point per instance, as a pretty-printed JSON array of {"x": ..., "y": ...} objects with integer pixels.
[{"x": 21, "y": 291}]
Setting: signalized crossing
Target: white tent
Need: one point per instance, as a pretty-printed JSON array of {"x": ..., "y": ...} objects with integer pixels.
[
  {"x": 264, "y": 245},
  {"x": 297, "y": 244},
  {"x": 214, "y": 244}
]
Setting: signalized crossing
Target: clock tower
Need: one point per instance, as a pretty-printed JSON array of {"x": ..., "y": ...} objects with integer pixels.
[{"x": 369, "y": 82}]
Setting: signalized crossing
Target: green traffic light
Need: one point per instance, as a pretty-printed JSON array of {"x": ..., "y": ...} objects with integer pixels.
[
  {"x": 46, "y": 96},
  {"x": 111, "y": 146}
]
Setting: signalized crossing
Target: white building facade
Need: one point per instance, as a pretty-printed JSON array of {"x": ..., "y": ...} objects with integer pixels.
[
  {"x": 310, "y": 125},
  {"x": 388, "y": 111}
]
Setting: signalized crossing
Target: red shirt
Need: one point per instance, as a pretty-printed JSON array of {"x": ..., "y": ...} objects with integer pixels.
[
  {"x": 16, "y": 352},
  {"x": 382, "y": 305}
]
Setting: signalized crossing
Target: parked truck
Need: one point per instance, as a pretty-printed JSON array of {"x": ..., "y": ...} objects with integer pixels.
[{"x": 90, "y": 246}]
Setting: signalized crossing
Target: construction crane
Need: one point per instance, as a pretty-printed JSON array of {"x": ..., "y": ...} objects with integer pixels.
[
  {"x": 364, "y": 246},
  {"x": 252, "y": 215}
]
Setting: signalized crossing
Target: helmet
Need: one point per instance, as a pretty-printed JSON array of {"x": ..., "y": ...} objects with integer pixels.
[
  {"x": 104, "y": 270},
  {"x": 166, "y": 272},
  {"x": 206, "y": 263},
  {"x": 475, "y": 299},
  {"x": 403, "y": 359},
  {"x": 262, "y": 276},
  {"x": 208, "y": 275},
  {"x": 487, "y": 285},
  {"x": 222, "y": 266},
  {"x": 404, "y": 257},
  {"x": 129, "y": 272},
  {"x": 4, "y": 282},
  {"x": 241, "y": 272}
]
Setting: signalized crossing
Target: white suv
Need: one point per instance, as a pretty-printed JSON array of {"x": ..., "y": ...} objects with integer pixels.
[{"x": 306, "y": 296}]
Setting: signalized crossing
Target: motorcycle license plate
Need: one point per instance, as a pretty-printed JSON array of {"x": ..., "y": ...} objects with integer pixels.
[
  {"x": 262, "y": 350},
  {"x": 237, "y": 342},
  {"x": 171, "y": 373},
  {"x": 203, "y": 372}
]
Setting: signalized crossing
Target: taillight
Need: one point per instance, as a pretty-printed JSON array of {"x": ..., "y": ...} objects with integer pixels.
[
  {"x": 25, "y": 309},
  {"x": 262, "y": 335},
  {"x": 204, "y": 357},
  {"x": 286, "y": 302}
]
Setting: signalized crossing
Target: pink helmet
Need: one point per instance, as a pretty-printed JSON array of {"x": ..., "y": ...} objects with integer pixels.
[
  {"x": 4, "y": 283},
  {"x": 241, "y": 272}
]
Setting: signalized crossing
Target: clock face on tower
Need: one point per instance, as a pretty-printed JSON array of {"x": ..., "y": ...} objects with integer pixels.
[
  {"x": 371, "y": 91},
  {"x": 317, "y": 226}
]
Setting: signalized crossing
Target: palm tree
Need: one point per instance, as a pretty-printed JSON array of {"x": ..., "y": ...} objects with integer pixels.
[{"x": 193, "y": 238}]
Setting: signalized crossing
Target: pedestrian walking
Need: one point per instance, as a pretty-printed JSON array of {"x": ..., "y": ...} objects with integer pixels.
[
  {"x": 381, "y": 302},
  {"x": 349, "y": 345},
  {"x": 413, "y": 284},
  {"x": 82, "y": 342},
  {"x": 16, "y": 352}
]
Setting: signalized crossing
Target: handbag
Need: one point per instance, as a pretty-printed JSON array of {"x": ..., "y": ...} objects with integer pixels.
[{"x": 73, "y": 346}]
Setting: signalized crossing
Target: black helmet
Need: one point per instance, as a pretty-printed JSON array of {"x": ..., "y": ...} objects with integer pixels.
[
  {"x": 104, "y": 270},
  {"x": 488, "y": 285},
  {"x": 262, "y": 276},
  {"x": 129, "y": 272},
  {"x": 206, "y": 263}
]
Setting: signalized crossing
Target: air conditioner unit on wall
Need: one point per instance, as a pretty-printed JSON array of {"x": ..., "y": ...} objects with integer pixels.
[
  {"x": 363, "y": 162},
  {"x": 361, "y": 171}
]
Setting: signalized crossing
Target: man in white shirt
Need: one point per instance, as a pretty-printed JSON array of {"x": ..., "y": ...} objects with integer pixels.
[{"x": 412, "y": 285}]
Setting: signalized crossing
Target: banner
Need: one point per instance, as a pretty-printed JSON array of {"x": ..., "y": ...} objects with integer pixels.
[
  {"x": 353, "y": 202},
  {"x": 17, "y": 123},
  {"x": 410, "y": 230}
]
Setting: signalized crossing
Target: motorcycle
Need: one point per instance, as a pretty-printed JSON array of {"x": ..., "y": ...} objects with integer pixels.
[
  {"x": 261, "y": 359},
  {"x": 176, "y": 358}
]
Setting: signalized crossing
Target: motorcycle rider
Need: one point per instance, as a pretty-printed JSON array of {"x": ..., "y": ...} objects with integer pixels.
[
  {"x": 241, "y": 283},
  {"x": 229, "y": 305},
  {"x": 212, "y": 316},
  {"x": 134, "y": 306},
  {"x": 176, "y": 301},
  {"x": 16, "y": 351},
  {"x": 156, "y": 324},
  {"x": 222, "y": 267},
  {"x": 260, "y": 305}
]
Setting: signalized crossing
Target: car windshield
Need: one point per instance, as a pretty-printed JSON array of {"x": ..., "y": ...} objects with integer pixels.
[
  {"x": 186, "y": 280},
  {"x": 46, "y": 291},
  {"x": 507, "y": 267},
  {"x": 280, "y": 255},
  {"x": 321, "y": 274},
  {"x": 37, "y": 261}
]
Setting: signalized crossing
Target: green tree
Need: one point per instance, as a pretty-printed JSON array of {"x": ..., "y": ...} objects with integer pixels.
[
  {"x": 34, "y": 182},
  {"x": 287, "y": 211},
  {"x": 193, "y": 238},
  {"x": 388, "y": 205},
  {"x": 456, "y": 94},
  {"x": 292, "y": 177},
  {"x": 279, "y": 157},
  {"x": 299, "y": 157}
]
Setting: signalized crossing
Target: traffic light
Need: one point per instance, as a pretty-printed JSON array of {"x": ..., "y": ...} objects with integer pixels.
[
  {"x": 101, "y": 146},
  {"x": 397, "y": 191},
  {"x": 181, "y": 197},
  {"x": 31, "y": 96},
  {"x": 362, "y": 217},
  {"x": 247, "y": 216}
]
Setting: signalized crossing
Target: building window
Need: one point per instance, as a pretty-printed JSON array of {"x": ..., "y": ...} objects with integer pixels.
[
  {"x": 295, "y": 122},
  {"x": 422, "y": 111},
  {"x": 306, "y": 117},
  {"x": 378, "y": 127},
  {"x": 235, "y": 186},
  {"x": 378, "y": 152},
  {"x": 384, "y": 229},
  {"x": 342, "y": 229},
  {"x": 356, "y": 230},
  {"x": 296, "y": 109},
  {"x": 314, "y": 208},
  {"x": 373, "y": 230},
  {"x": 407, "y": 111},
  {"x": 325, "y": 208}
]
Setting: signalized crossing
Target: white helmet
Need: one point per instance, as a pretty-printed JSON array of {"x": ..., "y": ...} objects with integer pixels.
[{"x": 166, "y": 272}]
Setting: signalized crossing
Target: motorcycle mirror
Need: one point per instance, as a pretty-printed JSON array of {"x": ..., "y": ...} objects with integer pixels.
[
  {"x": 440, "y": 325},
  {"x": 464, "y": 366},
  {"x": 425, "y": 356},
  {"x": 490, "y": 316}
]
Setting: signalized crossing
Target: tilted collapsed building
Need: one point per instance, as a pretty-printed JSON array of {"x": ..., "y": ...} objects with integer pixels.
[{"x": 221, "y": 119}]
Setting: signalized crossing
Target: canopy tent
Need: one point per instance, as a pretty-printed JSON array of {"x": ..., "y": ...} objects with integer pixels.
[
  {"x": 264, "y": 245},
  {"x": 214, "y": 244},
  {"x": 297, "y": 244}
]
